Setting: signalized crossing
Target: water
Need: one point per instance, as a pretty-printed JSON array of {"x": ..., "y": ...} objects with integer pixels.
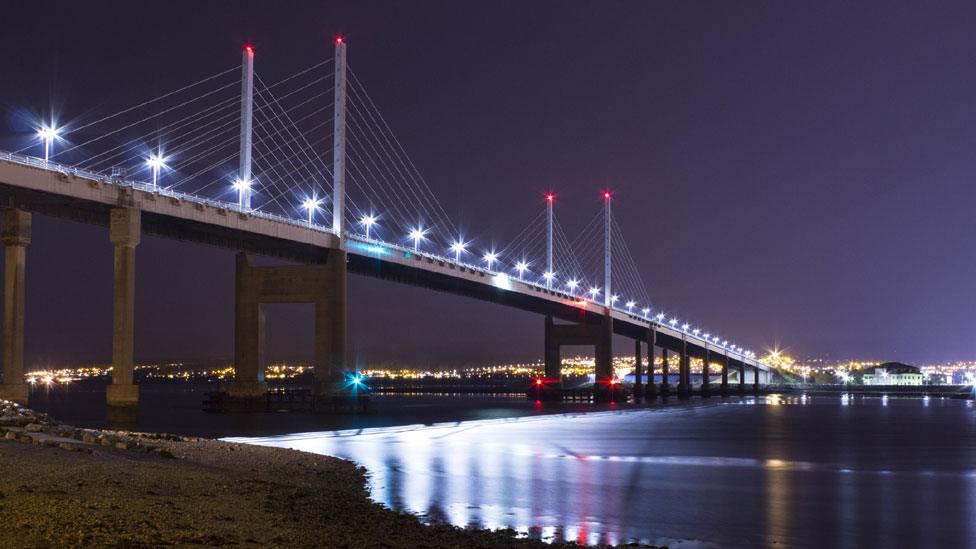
[{"x": 768, "y": 472}]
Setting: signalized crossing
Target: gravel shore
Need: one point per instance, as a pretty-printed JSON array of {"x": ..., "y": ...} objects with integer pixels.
[{"x": 63, "y": 486}]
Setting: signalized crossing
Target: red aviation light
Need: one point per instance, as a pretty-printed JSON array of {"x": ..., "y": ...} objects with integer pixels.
[
  {"x": 606, "y": 195},
  {"x": 613, "y": 381},
  {"x": 248, "y": 48},
  {"x": 550, "y": 197},
  {"x": 338, "y": 40},
  {"x": 538, "y": 381}
]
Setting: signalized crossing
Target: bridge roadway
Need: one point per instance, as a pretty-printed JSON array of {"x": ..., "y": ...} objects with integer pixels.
[{"x": 31, "y": 184}]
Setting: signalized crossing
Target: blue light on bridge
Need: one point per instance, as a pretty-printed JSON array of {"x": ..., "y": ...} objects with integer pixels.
[{"x": 372, "y": 249}]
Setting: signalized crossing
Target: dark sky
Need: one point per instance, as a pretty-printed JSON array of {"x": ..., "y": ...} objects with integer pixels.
[{"x": 787, "y": 173}]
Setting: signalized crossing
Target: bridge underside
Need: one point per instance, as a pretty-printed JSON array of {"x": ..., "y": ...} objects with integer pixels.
[{"x": 15, "y": 198}]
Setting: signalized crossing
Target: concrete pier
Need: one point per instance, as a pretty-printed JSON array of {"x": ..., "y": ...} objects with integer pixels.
[
  {"x": 665, "y": 374},
  {"x": 600, "y": 337},
  {"x": 322, "y": 284},
  {"x": 755, "y": 380},
  {"x": 15, "y": 232},
  {"x": 706, "y": 390},
  {"x": 638, "y": 383},
  {"x": 684, "y": 372},
  {"x": 605, "y": 388},
  {"x": 124, "y": 234},
  {"x": 742, "y": 378},
  {"x": 725, "y": 377},
  {"x": 552, "y": 383},
  {"x": 650, "y": 391}
]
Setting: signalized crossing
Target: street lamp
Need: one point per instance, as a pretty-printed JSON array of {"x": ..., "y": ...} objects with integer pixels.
[
  {"x": 548, "y": 276},
  {"x": 311, "y": 205},
  {"x": 594, "y": 291},
  {"x": 368, "y": 221},
  {"x": 572, "y": 284},
  {"x": 458, "y": 247},
  {"x": 155, "y": 163},
  {"x": 48, "y": 134},
  {"x": 630, "y": 305},
  {"x": 490, "y": 258},
  {"x": 521, "y": 267},
  {"x": 417, "y": 235}
]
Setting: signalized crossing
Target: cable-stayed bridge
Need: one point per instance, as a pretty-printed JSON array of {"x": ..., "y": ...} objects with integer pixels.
[{"x": 306, "y": 168}]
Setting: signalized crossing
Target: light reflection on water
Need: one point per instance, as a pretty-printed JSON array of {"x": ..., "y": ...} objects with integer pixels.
[{"x": 798, "y": 471}]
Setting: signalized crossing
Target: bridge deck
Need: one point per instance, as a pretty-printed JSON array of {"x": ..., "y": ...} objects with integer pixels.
[{"x": 66, "y": 192}]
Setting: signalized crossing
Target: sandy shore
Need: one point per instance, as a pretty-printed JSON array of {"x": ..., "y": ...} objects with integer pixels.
[{"x": 61, "y": 486}]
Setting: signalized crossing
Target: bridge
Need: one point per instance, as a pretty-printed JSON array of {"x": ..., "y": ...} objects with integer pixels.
[{"x": 244, "y": 171}]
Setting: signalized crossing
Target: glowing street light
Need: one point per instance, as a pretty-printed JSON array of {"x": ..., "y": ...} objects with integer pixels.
[
  {"x": 660, "y": 317},
  {"x": 311, "y": 205},
  {"x": 696, "y": 331},
  {"x": 242, "y": 187},
  {"x": 548, "y": 276},
  {"x": 572, "y": 285},
  {"x": 417, "y": 235},
  {"x": 685, "y": 326},
  {"x": 458, "y": 247},
  {"x": 673, "y": 321},
  {"x": 48, "y": 134},
  {"x": 368, "y": 221},
  {"x": 614, "y": 298},
  {"x": 521, "y": 267},
  {"x": 594, "y": 291},
  {"x": 645, "y": 311},
  {"x": 490, "y": 258},
  {"x": 155, "y": 163},
  {"x": 630, "y": 305}
]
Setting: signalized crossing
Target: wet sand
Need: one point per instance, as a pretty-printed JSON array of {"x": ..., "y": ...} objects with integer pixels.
[{"x": 62, "y": 486}]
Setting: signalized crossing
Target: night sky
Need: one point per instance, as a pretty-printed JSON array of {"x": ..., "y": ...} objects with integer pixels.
[{"x": 787, "y": 173}]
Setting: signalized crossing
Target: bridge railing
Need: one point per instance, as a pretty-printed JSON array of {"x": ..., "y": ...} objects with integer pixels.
[{"x": 147, "y": 187}]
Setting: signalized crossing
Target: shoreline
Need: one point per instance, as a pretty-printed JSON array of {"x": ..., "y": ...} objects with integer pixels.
[{"x": 61, "y": 485}]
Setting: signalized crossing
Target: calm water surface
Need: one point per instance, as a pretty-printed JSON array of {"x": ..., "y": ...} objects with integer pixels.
[{"x": 768, "y": 472}]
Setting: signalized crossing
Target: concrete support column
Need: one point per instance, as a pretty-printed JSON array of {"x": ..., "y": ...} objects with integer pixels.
[
  {"x": 755, "y": 381},
  {"x": 124, "y": 234},
  {"x": 665, "y": 373},
  {"x": 706, "y": 391},
  {"x": 684, "y": 372},
  {"x": 742, "y": 378},
  {"x": 604, "y": 390},
  {"x": 248, "y": 335},
  {"x": 725, "y": 376},
  {"x": 331, "y": 365},
  {"x": 638, "y": 383},
  {"x": 650, "y": 391},
  {"x": 552, "y": 383},
  {"x": 16, "y": 235}
]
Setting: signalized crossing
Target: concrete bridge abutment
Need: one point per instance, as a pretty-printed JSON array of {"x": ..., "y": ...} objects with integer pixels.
[
  {"x": 15, "y": 232},
  {"x": 324, "y": 285}
]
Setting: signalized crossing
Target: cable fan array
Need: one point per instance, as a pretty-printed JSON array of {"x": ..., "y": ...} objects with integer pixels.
[{"x": 188, "y": 142}]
